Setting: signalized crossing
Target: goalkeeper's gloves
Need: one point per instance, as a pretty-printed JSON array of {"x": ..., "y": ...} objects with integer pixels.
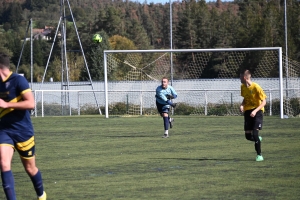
[
  {"x": 171, "y": 103},
  {"x": 169, "y": 96}
]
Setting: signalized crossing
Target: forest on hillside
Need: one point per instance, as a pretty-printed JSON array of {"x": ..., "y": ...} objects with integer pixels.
[{"x": 196, "y": 24}]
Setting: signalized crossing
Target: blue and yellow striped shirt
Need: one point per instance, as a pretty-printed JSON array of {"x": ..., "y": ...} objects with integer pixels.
[{"x": 11, "y": 90}]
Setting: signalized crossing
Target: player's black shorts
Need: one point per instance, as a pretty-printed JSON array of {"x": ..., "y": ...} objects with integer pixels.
[
  {"x": 161, "y": 108},
  {"x": 253, "y": 123}
]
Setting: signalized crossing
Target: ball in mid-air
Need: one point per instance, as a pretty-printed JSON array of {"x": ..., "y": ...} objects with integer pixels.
[{"x": 97, "y": 38}]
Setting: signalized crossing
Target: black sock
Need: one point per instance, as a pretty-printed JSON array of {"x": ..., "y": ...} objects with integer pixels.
[
  {"x": 249, "y": 136},
  {"x": 257, "y": 142}
]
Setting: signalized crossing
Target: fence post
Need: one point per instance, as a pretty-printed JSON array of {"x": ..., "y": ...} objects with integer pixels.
[
  {"x": 35, "y": 106},
  {"x": 141, "y": 100},
  {"x": 78, "y": 101},
  {"x": 127, "y": 106},
  {"x": 231, "y": 100},
  {"x": 270, "y": 102},
  {"x": 42, "y": 103},
  {"x": 205, "y": 95}
]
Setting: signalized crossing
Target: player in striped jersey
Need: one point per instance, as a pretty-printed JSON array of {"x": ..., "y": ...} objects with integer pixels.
[{"x": 16, "y": 130}]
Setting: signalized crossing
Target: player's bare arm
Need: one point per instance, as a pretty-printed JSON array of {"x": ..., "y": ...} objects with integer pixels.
[
  {"x": 26, "y": 104},
  {"x": 263, "y": 103},
  {"x": 242, "y": 106}
]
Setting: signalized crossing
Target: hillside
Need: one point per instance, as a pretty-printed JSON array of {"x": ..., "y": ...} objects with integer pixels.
[{"x": 134, "y": 25}]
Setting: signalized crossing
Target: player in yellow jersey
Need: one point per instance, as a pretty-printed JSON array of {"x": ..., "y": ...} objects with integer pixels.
[{"x": 253, "y": 109}]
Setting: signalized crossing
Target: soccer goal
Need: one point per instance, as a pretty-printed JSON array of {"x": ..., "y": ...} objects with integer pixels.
[{"x": 206, "y": 80}]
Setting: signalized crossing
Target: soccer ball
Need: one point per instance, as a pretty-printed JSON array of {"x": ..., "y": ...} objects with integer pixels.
[{"x": 97, "y": 38}]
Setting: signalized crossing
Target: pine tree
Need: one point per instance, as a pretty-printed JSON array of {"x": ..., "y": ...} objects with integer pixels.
[{"x": 95, "y": 59}]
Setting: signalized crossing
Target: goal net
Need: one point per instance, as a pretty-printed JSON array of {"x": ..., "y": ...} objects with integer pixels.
[{"x": 206, "y": 80}]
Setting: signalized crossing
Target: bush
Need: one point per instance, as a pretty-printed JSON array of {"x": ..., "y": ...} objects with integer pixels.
[
  {"x": 217, "y": 110},
  {"x": 91, "y": 110},
  {"x": 295, "y": 104},
  {"x": 119, "y": 108},
  {"x": 54, "y": 109},
  {"x": 184, "y": 109},
  {"x": 150, "y": 111},
  {"x": 275, "y": 107},
  {"x": 59, "y": 110}
]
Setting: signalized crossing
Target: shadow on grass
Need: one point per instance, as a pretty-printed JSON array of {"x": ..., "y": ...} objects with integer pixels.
[
  {"x": 206, "y": 159},
  {"x": 129, "y": 136}
]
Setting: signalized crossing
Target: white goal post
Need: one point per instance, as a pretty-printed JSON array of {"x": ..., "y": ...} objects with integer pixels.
[{"x": 115, "y": 61}]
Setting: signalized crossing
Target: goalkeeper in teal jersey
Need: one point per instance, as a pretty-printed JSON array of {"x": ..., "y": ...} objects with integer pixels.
[{"x": 164, "y": 94}]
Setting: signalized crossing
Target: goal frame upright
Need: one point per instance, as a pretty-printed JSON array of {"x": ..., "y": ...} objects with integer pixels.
[{"x": 280, "y": 67}]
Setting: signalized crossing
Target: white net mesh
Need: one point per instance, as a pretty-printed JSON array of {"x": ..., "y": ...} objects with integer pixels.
[
  {"x": 292, "y": 84},
  {"x": 207, "y": 82}
]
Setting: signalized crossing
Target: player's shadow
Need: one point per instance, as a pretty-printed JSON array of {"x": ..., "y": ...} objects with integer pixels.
[
  {"x": 204, "y": 159},
  {"x": 128, "y": 136}
]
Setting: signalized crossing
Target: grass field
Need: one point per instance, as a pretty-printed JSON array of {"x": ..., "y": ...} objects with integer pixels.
[{"x": 90, "y": 157}]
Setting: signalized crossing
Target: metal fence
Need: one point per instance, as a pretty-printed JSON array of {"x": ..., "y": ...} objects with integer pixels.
[{"x": 197, "y": 97}]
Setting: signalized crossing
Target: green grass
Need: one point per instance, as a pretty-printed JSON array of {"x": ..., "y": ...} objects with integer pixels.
[{"x": 90, "y": 157}]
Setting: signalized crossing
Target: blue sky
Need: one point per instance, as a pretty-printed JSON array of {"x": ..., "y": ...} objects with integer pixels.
[{"x": 167, "y": 1}]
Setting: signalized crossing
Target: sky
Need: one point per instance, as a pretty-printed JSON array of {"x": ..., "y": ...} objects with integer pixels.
[{"x": 167, "y": 1}]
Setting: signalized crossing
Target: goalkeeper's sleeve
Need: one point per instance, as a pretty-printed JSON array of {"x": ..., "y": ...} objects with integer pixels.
[{"x": 169, "y": 96}]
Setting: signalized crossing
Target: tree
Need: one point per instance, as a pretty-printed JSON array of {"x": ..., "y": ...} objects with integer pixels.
[
  {"x": 110, "y": 20},
  {"x": 95, "y": 59},
  {"x": 37, "y": 72},
  {"x": 137, "y": 33},
  {"x": 293, "y": 22},
  {"x": 36, "y": 4},
  {"x": 38, "y": 52},
  {"x": 118, "y": 42},
  {"x": 185, "y": 35},
  {"x": 148, "y": 24},
  {"x": 3, "y": 45},
  {"x": 13, "y": 43},
  {"x": 13, "y": 15},
  {"x": 79, "y": 14}
]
